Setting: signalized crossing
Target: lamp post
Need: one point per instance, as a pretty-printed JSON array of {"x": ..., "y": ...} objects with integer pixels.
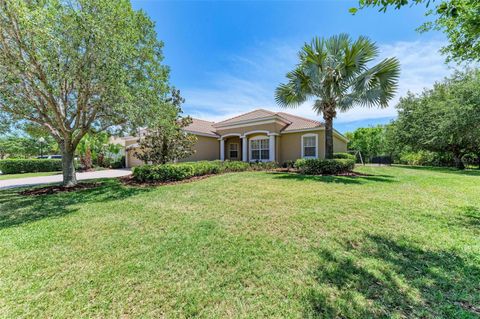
[{"x": 41, "y": 141}]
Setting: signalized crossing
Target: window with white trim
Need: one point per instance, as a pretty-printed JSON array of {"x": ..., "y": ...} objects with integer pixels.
[
  {"x": 259, "y": 149},
  {"x": 309, "y": 146},
  {"x": 233, "y": 150}
]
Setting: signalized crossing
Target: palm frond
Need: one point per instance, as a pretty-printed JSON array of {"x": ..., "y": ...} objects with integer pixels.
[
  {"x": 295, "y": 91},
  {"x": 375, "y": 86},
  {"x": 336, "y": 71},
  {"x": 287, "y": 96}
]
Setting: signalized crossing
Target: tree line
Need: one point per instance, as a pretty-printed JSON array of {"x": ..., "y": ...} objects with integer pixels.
[{"x": 440, "y": 126}]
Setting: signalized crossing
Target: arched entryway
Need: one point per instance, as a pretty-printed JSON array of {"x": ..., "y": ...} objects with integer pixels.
[{"x": 252, "y": 146}]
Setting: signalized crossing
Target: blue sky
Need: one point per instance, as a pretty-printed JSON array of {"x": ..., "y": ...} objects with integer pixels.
[{"x": 227, "y": 57}]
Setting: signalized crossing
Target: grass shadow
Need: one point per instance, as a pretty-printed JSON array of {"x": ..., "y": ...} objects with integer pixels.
[
  {"x": 448, "y": 170},
  {"x": 16, "y": 209},
  {"x": 335, "y": 179},
  {"x": 470, "y": 215},
  {"x": 385, "y": 278}
]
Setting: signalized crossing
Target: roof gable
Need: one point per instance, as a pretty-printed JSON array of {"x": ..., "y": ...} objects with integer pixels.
[
  {"x": 254, "y": 115},
  {"x": 292, "y": 122},
  {"x": 298, "y": 122},
  {"x": 201, "y": 127}
]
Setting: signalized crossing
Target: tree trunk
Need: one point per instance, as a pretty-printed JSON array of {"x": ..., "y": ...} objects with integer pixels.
[
  {"x": 458, "y": 161},
  {"x": 478, "y": 160},
  {"x": 68, "y": 166},
  {"x": 328, "y": 137}
]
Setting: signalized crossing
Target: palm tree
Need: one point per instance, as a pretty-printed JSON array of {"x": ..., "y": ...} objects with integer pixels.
[{"x": 334, "y": 72}]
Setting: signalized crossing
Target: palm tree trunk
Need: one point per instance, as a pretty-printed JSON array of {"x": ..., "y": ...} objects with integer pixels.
[{"x": 328, "y": 136}]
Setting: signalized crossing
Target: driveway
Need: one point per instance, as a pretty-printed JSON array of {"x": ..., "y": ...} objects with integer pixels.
[{"x": 28, "y": 181}]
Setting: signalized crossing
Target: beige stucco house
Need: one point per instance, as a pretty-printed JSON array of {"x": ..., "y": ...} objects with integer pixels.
[{"x": 260, "y": 135}]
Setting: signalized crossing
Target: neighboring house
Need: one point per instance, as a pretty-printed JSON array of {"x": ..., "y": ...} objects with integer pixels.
[{"x": 260, "y": 135}]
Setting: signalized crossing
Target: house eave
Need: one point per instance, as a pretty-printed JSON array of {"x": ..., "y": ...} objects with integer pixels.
[
  {"x": 262, "y": 120},
  {"x": 201, "y": 133},
  {"x": 318, "y": 128}
]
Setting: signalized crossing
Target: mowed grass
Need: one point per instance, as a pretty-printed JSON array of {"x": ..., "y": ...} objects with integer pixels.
[
  {"x": 403, "y": 243},
  {"x": 24, "y": 175}
]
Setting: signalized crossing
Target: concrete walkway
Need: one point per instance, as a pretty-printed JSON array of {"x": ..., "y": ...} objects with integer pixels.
[{"x": 28, "y": 181}]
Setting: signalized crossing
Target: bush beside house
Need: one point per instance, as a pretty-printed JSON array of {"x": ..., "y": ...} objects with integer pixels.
[
  {"x": 315, "y": 166},
  {"x": 181, "y": 171}
]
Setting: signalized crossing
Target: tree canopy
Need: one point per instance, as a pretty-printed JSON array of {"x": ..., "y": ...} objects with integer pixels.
[
  {"x": 165, "y": 139},
  {"x": 78, "y": 66},
  {"x": 369, "y": 141},
  {"x": 443, "y": 119},
  {"x": 458, "y": 19}
]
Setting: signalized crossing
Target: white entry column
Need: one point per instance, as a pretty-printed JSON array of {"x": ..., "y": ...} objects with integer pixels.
[
  {"x": 271, "y": 148},
  {"x": 222, "y": 149},
  {"x": 244, "y": 148}
]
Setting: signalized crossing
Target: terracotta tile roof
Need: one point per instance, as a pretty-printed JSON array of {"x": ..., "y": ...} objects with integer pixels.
[
  {"x": 298, "y": 122},
  {"x": 201, "y": 126},
  {"x": 253, "y": 115},
  {"x": 292, "y": 122}
]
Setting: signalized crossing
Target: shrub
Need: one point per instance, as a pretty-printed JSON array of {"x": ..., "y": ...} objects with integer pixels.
[
  {"x": 206, "y": 167},
  {"x": 180, "y": 171},
  {"x": 235, "y": 166},
  {"x": 426, "y": 158},
  {"x": 263, "y": 166},
  {"x": 288, "y": 164},
  {"x": 17, "y": 166},
  {"x": 118, "y": 163},
  {"x": 163, "y": 172},
  {"x": 344, "y": 156},
  {"x": 324, "y": 166}
]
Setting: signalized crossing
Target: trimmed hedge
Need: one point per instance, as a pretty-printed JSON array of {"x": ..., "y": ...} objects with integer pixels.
[
  {"x": 17, "y": 166},
  {"x": 181, "y": 171},
  {"x": 263, "y": 166},
  {"x": 234, "y": 166},
  {"x": 316, "y": 166},
  {"x": 164, "y": 173}
]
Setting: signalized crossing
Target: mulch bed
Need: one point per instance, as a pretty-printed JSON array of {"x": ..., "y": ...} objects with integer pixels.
[
  {"x": 48, "y": 190},
  {"x": 130, "y": 181}
]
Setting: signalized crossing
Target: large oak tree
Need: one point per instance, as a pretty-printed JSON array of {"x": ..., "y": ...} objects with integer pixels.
[
  {"x": 443, "y": 119},
  {"x": 77, "y": 66}
]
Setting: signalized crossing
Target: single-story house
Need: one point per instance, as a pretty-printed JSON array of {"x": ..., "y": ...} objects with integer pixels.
[{"x": 259, "y": 135}]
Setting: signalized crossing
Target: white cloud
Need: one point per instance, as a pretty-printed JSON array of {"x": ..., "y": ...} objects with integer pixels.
[{"x": 253, "y": 77}]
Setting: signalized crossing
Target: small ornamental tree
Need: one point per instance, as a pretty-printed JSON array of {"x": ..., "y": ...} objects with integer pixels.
[
  {"x": 165, "y": 139},
  {"x": 78, "y": 66}
]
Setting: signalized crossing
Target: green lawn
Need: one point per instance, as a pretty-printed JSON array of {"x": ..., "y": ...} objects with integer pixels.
[
  {"x": 13, "y": 176},
  {"x": 404, "y": 243}
]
